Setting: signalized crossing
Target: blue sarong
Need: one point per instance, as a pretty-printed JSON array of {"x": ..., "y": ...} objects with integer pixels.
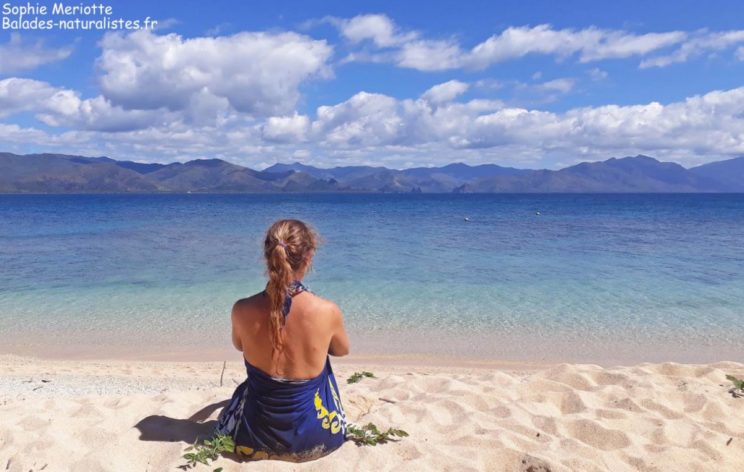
[{"x": 270, "y": 417}]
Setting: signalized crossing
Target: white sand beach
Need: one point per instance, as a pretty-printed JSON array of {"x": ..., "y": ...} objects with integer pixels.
[{"x": 140, "y": 415}]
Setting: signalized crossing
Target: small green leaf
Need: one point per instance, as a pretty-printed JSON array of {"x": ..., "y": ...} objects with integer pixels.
[
  {"x": 357, "y": 376},
  {"x": 738, "y": 383},
  {"x": 209, "y": 450},
  {"x": 370, "y": 435}
]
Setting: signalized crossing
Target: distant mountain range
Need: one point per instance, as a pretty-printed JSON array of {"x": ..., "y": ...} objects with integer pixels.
[{"x": 58, "y": 173}]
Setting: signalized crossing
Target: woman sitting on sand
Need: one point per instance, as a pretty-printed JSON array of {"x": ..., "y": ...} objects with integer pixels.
[{"x": 289, "y": 406}]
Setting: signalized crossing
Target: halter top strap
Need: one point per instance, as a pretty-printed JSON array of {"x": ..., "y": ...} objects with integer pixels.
[{"x": 294, "y": 288}]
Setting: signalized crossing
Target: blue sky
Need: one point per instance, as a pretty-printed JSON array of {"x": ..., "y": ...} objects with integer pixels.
[{"x": 527, "y": 84}]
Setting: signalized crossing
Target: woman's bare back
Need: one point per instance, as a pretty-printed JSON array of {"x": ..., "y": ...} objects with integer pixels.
[{"x": 312, "y": 329}]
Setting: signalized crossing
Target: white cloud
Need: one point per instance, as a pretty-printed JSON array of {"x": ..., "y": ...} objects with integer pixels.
[
  {"x": 413, "y": 51},
  {"x": 698, "y": 44},
  {"x": 563, "y": 85},
  {"x": 410, "y": 49},
  {"x": 376, "y": 120},
  {"x": 301, "y": 154},
  {"x": 378, "y": 128},
  {"x": 286, "y": 128},
  {"x": 14, "y": 134},
  {"x": 588, "y": 44},
  {"x": 256, "y": 73},
  {"x": 149, "y": 80},
  {"x": 21, "y": 95},
  {"x": 597, "y": 74},
  {"x": 620, "y": 44},
  {"x": 19, "y": 55},
  {"x": 534, "y": 93},
  {"x": 395, "y": 45},
  {"x": 493, "y": 84},
  {"x": 431, "y": 55},
  {"x": 445, "y": 92},
  {"x": 377, "y": 28},
  {"x": 591, "y": 44},
  {"x": 64, "y": 108},
  {"x": 365, "y": 119},
  {"x": 699, "y": 127}
]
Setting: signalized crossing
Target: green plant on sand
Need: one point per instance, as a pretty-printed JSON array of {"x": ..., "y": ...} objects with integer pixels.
[
  {"x": 209, "y": 450},
  {"x": 357, "y": 376},
  {"x": 370, "y": 435},
  {"x": 738, "y": 389}
]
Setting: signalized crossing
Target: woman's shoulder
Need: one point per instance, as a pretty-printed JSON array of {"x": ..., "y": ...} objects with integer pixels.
[
  {"x": 249, "y": 302},
  {"x": 323, "y": 304}
]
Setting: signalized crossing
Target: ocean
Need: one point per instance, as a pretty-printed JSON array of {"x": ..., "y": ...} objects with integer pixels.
[{"x": 610, "y": 278}]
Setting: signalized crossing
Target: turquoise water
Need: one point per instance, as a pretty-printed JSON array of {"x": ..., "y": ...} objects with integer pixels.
[{"x": 591, "y": 277}]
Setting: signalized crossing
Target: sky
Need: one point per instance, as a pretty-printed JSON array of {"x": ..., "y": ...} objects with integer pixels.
[{"x": 530, "y": 84}]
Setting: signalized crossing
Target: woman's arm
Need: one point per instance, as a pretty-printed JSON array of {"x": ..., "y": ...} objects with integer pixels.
[
  {"x": 339, "y": 339},
  {"x": 235, "y": 332}
]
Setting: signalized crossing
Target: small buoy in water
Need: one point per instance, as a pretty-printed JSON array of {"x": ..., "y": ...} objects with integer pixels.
[
  {"x": 467, "y": 219},
  {"x": 537, "y": 213}
]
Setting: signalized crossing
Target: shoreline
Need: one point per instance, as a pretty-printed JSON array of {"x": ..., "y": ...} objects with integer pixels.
[
  {"x": 429, "y": 360},
  {"x": 213, "y": 356},
  {"x": 422, "y": 347}
]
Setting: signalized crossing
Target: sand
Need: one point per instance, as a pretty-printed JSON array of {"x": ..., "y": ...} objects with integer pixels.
[{"x": 139, "y": 416}]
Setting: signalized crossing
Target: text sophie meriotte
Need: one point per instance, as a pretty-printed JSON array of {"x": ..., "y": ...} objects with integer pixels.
[{"x": 57, "y": 8}]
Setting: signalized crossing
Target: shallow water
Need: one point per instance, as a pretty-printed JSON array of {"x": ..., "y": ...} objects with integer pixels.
[{"x": 591, "y": 277}]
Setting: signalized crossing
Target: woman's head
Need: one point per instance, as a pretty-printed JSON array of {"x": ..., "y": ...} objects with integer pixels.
[{"x": 289, "y": 248}]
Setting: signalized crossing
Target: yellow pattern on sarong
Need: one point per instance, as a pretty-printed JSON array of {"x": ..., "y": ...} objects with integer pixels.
[
  {"x": 244, "y": 450},
  {"x": 328, "y": 420}
]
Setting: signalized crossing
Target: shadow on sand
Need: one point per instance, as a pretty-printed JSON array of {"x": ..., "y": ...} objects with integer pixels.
[
  {"x": 194, "y": 428},
  {"x": 166, "y": 429}
]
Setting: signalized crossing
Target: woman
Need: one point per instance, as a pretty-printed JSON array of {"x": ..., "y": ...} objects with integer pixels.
[{"x": 289, "y": 406}]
